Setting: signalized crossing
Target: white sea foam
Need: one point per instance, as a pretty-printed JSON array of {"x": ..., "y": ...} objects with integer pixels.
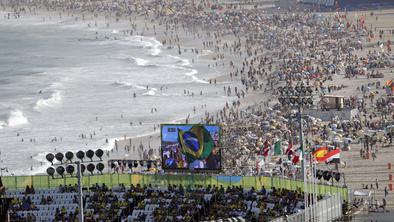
[
  {"x": 140, "y": 62},
  {"x": 189, "y": 72},
  {"x": 148, "y": 42},
  {"x": 150, "y": 92},
  {"x": 16, "y": 118},
  {"x": 121, "y": 83},
  {"x": 183, "y": 62},
  {"x": 54, "y": 100},
  {"x": 139, "y": 87},
  {"x": 155, "y": 48},
  {"x": 192, "y": 73},
  {"x": 127, "y": 84}
]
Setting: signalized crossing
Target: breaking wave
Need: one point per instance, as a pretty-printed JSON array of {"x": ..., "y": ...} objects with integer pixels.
[
  {"x": 16, "y": 118},
  {"x": 54, "y": 100}
]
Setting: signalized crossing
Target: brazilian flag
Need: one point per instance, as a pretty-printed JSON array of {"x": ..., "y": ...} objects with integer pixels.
[{"x": 196, "y": 143}]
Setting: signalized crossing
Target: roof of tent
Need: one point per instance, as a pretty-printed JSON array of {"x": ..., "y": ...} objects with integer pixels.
[{"x": 365, "y": 193}]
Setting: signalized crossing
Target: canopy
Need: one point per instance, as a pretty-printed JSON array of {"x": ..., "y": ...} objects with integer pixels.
[{"x": 365, "y": 193}]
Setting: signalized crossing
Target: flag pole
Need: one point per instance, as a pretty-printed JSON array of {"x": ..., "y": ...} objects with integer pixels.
[{"x": 303, "y": 164}]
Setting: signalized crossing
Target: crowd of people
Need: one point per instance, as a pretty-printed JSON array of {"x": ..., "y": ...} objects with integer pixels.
[{"x": 173, "y": 203}]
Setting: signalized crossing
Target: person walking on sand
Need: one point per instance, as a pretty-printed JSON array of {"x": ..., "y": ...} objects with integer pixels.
[{"x": 386, "y": 192}]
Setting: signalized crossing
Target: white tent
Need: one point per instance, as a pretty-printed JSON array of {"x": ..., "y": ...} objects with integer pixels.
[{"x": 364, "y": 193}]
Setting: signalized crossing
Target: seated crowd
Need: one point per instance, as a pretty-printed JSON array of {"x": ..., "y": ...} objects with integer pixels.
[
  {"x": 28, "y": 204},
  {"x": 148, "y": 203}
]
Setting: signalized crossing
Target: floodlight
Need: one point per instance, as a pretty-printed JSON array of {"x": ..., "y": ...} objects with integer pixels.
[
  {"x": 50, "y": 157},
  {"x": 51, "y": 171},
  {"x": 90, "y": 154},
  {"x": 69, "y": 156},
  {"x": 60, "y": 170},
  {"x": 83, "y": 168},
  {"x": 70, "y": 169},
  {"x": 99, "y": 153},
  {"x": 59, "y": 156},
  {"x": 100, "y": 167},
  {"x": 90, "y": 167},
  {"x": 80, "y": 155}
]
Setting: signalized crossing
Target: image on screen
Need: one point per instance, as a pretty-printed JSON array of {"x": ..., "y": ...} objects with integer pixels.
[{"x": 191, "y": 146}]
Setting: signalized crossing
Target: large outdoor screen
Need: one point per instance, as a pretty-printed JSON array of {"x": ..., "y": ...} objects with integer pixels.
[{"x": 193, "y": 147}]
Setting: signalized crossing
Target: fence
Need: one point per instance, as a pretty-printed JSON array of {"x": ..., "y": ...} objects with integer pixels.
[
  {"x": 328, "y": 209},
  {"x": 44, "y": 181}
]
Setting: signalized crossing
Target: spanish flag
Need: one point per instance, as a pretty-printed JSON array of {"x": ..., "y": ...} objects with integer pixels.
[
  {"x": 196, "y": 143},
  {"x": 320, "y": 154}
]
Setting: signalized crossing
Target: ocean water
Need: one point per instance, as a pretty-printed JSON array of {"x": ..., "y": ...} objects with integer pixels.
[{"x": 56, "y": 79}]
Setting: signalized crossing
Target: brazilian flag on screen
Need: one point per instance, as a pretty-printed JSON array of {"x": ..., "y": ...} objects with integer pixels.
[{"x": 196, "y": 143}]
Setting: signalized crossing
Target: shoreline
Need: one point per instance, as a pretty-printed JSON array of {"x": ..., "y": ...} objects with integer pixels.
[{"x": 122, "y": 26}]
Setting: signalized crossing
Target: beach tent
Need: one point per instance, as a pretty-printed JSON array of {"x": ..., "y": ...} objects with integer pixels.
[{"x": 362, "y": 193}]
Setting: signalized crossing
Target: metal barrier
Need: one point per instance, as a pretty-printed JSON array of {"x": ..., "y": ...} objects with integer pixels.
[
  {"x": 327, "y": 209},
  {"x": 44, "y": 182}
]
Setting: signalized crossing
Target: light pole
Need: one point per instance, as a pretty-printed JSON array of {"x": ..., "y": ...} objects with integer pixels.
[
  {"x": 80, "y": 194},
  {"x": 299, "y": 97},
  {"x": 80, "y": 169}
]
